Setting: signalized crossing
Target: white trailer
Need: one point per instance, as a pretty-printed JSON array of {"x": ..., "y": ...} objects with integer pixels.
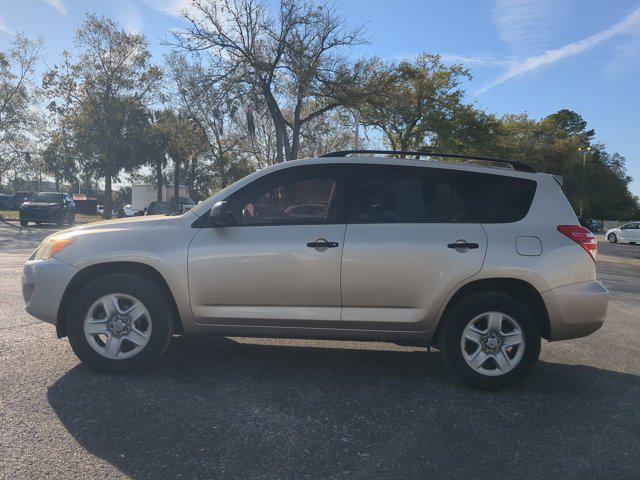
[{"x": 143, "y": 195}]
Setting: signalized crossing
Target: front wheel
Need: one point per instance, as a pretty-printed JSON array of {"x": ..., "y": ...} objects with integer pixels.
[
  {"x": 120, "y": 323},
  {"x": 24, "y": 222},
  {"x": 490, "y": 340},
  {"x": 612, "y": 238},
  {"x": 72, "y": 219}
]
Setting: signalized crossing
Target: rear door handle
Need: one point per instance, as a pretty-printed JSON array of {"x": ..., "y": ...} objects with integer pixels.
[
  {"x": 322, "y": 243},
  {"x": 462, "y": 245}
]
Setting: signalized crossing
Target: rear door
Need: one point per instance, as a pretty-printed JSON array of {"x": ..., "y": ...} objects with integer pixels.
[{"x": 407, "y": 243}]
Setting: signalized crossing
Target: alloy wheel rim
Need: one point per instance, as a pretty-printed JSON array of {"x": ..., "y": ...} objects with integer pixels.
[
  {"x": 493, "y": 343},
  {"x": 117, "y": 326}
]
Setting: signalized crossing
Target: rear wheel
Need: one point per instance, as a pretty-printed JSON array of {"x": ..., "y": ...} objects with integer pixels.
[
  {"x": 120, "y": 323},
  {"x": 612, "y": 238},
  {"x": 490, "y": 340},
  {"x": 24, "y": 222}
]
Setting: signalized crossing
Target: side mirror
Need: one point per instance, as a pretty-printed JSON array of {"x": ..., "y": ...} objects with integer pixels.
[{"x": 221, "y": 215}]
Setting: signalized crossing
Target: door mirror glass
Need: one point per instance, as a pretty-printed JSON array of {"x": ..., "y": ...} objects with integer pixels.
[{"x": 221, "y": 215}]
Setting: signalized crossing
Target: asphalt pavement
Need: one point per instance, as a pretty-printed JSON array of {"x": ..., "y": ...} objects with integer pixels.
[{"x": 287, "y": 409}]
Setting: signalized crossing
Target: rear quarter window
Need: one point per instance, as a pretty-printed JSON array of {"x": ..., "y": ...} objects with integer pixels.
[{"x": 496, "y": 198}]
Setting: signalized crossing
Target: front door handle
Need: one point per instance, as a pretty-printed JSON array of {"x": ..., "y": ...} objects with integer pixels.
[
  {"x": 322, "y": 243},
  {"x": 462, "y": 245}
]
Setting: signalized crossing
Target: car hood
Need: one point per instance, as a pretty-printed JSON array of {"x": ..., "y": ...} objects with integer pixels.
[{"x": 111, "y": 226}]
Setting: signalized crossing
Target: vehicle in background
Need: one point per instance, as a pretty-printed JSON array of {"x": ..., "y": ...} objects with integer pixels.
[
  {"x": 184, "y": 203},
  {"x": 593, "y": 225},
  {"x": 6, "y": 202},
  {"x": 48, "y": 207},
  {"x": 19, "y": 198},
  {"x": 129, "y": 211},
  {"x": 627, "y": 233},
  {"x": 143, "y": 195},
  {"x": 162, "y": 208},
  {"x": 480, "y": 261}
]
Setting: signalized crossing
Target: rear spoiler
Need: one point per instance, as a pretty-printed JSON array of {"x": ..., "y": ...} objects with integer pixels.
[{"x": 558, "y": 178}]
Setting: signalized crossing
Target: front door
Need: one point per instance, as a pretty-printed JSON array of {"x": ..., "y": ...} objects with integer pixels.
[
  {"x": 279, "y": 264},
  {"x": 406, "y": 243}
]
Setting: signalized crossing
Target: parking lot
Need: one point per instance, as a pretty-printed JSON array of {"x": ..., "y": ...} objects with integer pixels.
[{"x": 256, "y": 408}]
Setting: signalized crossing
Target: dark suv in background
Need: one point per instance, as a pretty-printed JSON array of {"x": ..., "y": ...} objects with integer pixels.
[{"x": 48, "y": 207}]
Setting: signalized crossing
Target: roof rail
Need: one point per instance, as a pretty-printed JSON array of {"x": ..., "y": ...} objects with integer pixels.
[{"x": 518, "y": 166}]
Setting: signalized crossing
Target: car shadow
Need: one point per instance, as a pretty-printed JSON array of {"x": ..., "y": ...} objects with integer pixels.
[{"x": 218, "y": 408}]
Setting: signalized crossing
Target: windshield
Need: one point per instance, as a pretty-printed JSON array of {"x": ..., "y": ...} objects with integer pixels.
[{"x": 46, "y": 197}]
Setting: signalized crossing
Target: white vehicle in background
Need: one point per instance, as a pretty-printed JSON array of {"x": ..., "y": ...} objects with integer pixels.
[
  {"x": 629, "y": 233},
  {"x": 129, "y": 211},
  {"x": 143, "y": 195}
]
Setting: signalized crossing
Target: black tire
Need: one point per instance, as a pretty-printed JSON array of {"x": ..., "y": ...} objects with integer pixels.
[
  {"x": 24, "y": 222},
  {"x": 470, "y": 307},
  {"x": 60, "y": 220},
  {"x": 72, "y": 219},
  {"x": 612, "y": 238},
  {"x": 143, "y": 289}
]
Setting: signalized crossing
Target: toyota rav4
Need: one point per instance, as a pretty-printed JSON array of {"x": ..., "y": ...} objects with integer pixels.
[{"x": 480, "y": 259}]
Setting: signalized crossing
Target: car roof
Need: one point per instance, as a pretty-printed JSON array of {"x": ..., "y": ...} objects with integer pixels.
[{"x": 411, "y": 162}]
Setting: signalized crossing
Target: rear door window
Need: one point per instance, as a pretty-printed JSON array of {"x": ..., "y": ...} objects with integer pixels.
[{"x": 390, "y": 194}]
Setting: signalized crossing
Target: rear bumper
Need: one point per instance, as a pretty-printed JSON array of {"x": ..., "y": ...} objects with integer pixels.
[
  {"x": 43, "y": 284},
  {"x": 576, "y": 310}
]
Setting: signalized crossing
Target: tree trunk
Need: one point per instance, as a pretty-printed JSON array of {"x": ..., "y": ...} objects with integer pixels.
[
  {"x": 107, "y": 197},
  {"x": 295, "y": 142},
  {"x": 192, "y": 176},
  {"x": 176, "y": 181},
  {"x": 57, "y": 180},
  {"x": 279, "y": 146},
  {"x": 159, "y": 179}
]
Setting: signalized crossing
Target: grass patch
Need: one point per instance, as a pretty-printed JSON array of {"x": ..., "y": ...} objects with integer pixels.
[{"x": 13, "y": 216}]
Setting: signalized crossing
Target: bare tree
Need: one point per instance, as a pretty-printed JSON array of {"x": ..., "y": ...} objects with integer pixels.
[
  {"x": 210, "y": 105},
  {"x": 294, "y": 59}
]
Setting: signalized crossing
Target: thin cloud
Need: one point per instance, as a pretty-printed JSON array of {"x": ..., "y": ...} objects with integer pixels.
[
  {"x": 552, "y": 56},
  {"x": 5, "y": 29},
  {"x": 525, "y": 25},
  {"x": 56, "y": 5},
  {"x": 474, "y": 60},
  {"x": 130, "y": 17},
  {"x": 174, "y": 8}
]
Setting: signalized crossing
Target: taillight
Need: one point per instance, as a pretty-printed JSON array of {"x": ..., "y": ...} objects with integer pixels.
[{"x": 582, "y": 237}]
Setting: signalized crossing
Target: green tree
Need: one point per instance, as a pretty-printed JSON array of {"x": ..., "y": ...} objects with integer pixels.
[
  {"x": 561, "y": 144},
  {"x": 421, "y": 103},
  {"x": 18, "y": 95},
  {"x": 105, "y": 93},
  {"x": 58, "y": 159}
]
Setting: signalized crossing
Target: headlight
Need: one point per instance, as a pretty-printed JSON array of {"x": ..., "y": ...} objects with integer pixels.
[{"x": 51, "y": 246}]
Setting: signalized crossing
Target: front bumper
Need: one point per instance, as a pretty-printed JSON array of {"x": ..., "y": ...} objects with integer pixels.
[
  {"x": 43, "y": 284},
  {"x": 40, "y": 214},
  {"x": 576, "y": 310}
]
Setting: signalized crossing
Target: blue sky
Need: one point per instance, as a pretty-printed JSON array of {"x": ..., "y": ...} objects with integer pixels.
[{"x": 533, "y": 56}]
